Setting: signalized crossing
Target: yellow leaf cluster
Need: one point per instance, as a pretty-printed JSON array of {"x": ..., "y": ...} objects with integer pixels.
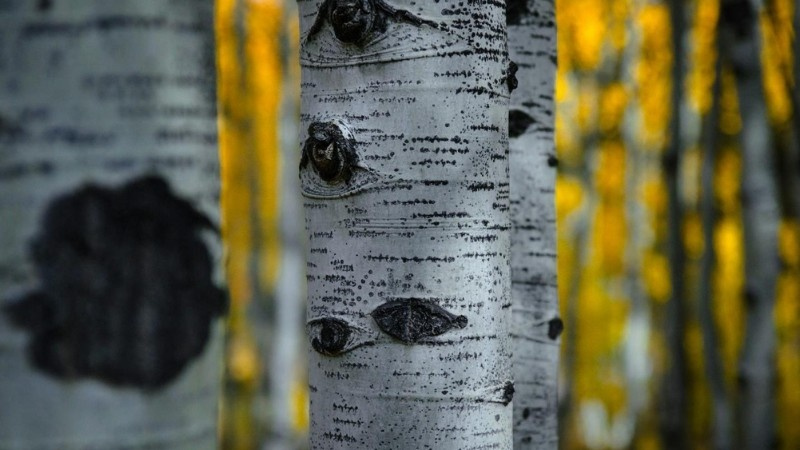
[{"x": 653, "y": 72}]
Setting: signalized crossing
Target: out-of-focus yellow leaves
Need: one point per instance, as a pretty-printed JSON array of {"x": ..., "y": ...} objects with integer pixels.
[
  {"x": 701, "y": 76},
  {"x": 569, "y": 195},
  {"x": 728, "y": 303},
  {"x": 727, "y": 179},
  {"x": 299, "y": 400},
  {"x": 586, "y": 30},
  {"x": 610, "y": 175},
  {"x": 789, "y": 243},
  {"x": 730, "y": 121},
  {"x": 693, "y": 235},
  {"x": 776, "y": 59},
  {"x": 655, "y": 271},
  {"x": 653, "y": 74},
  {"x": 613, "y": 101}
]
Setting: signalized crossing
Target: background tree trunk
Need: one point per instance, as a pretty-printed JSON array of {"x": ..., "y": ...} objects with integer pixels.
[
  {"x": 760, "y": 211},
  {"x": 673, "y": 411},
  {"x": 109, "y": 284},
  {"x": 536, "y": 325},
  {"x": 405, "y": 173}
]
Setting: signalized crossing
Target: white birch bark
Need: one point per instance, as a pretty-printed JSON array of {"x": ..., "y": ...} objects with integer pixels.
[
  {"x": 760, "y": 216},
  {"x": 109, "y": 284},
  {"x": 536, "y": 325},
  {"x": 405, "y": 174}
]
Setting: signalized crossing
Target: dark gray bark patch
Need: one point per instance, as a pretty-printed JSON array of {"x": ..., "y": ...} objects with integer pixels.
[
  {"x": 356, "y": 21},
  {"x": 44, "y": 5},
  {"x": 332, "y": 155},
  {"x": 552, "y": 160},
  {"x": 508, "y": 393},
  {"x": 329, "y": 335},
  {"x": 554, "y": 328},
  {"x": 410, "y": 320},
  {"x": 511, "y": 76},
  {"x": 126, "y": 292},
  {"x": 515, "y": 10},
  {"x": 518, "y": 122}
]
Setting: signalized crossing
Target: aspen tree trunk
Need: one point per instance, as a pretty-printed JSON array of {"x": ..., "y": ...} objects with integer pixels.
[
  {"x": 721, "y": 412},
  {"x": 673, "y": 410},
  {"x": 536, "y": 326},
  {"x": 109, "y": 284},
  {"x": 405, "y": 174},
  {"x": 756, "y": 415}
]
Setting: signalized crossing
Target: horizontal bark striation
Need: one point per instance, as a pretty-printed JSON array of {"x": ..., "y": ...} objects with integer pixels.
[
  {"x": 109, "y": 278},
  {"x": 536, "y": 326},
  {"x": 412, "y": 251}
]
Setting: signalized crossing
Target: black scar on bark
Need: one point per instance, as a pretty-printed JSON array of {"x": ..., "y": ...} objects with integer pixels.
[
  {"x": 508, "y": 393},
  {"x": 515, "y": 9},
  {"x": 331, "y": 153},
  {"x": 332, "y": 337},
  {"x": 126, "y": 293},
  {"x": 552, "y": 160},
  {"x": 355, "y": 21},
  {"x": 410, "y": 320},
  {"x": 518, "y": 122},
  {"x": 511, "y": 77},
  {"x": 554, "y": 328},
  {"x": 44, "y": 5}
]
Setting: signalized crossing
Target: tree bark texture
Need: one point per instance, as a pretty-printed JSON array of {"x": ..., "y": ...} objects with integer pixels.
[
  {"x": 405, "y": 176},
  {"x": 536, "y": 324},
  {"x": 111, "y": 297},
  {"x": 760, "y": 211}
]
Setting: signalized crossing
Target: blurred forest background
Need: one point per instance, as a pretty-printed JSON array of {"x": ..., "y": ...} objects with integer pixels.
[{"x": 681, "y": 301}]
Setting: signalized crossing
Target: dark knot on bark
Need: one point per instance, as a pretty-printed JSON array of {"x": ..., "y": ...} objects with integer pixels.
[
  {"x": 352, "y": 20},
  {"x": 331, "y": 153}
]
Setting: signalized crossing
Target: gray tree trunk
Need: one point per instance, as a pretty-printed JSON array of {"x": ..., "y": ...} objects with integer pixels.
[
  {"x": 405, "y": 174},
  {"x": 721, "y": 411},
  {"x": 536, "y": 324},
  {"x": 761, "y": 214},
  {"x": 673, "y": 407},
  {"x": 109, "y": 284}
]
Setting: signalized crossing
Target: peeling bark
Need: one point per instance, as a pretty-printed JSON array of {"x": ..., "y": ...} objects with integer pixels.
[
  {"x": 536, "y": 326},
  {"x": 110, "y": 286},
  {"x": 405, "y": 179}
]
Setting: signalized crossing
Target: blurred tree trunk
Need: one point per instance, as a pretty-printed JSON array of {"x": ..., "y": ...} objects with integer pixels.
[
  {"x": 741, "y": 46},
  {"x": 673, "y": 410},
  {"x": 109, "y": 284},
  {"x": 722, "y": 414},
  {"x": 405, "y": 177},
  {"x": 536, "y": 325},
  {"x": 259, "y": 96}
]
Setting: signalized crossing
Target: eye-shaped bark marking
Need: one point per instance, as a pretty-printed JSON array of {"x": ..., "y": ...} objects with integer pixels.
[
  {"x": 518, "y": 122},
  {"x": 332, "y": 336},
  {"x": 410, "y": 320},
  {"x": 511, "y": 77},
  {"x": 355, "y": 21},
  {"x": 332, "y": 155}
]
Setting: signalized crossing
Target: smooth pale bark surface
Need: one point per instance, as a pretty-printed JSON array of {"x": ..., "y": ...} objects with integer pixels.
[
  {"x": 119, "y": 96},
  {"x": 412, "y": 230},
  {"x": 536, "y": 325}
]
